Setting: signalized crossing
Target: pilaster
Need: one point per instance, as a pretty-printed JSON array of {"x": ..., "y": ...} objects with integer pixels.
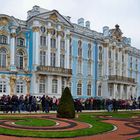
[{"x": 12, "y": 48}]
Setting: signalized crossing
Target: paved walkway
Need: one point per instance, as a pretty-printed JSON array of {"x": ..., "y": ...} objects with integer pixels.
[{"x": 126, "y": 129}]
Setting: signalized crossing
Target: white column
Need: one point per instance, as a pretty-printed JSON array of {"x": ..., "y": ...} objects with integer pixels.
[
  {"x": 12, "y": 49},
  {"x": 134, "y": 92},
  {"x": 67, "y": 51},
  {"x": 49, "y": 85},
  {"x": 34, "y": 84},
  {"x": 128, "y": 92},
  {"x": 126, "y": 60},
  {"x": 121, "y": 91},
  {"x": 115, "y": 90},
  {"x": 105, "y": 66},
  {"x": 36, "y": 50},
  {"x": 114, "y": 62},
  {"x": 49, "y": 49},
  {"x": 58, "y": 50},
  {"x": 120, "y": 61}
]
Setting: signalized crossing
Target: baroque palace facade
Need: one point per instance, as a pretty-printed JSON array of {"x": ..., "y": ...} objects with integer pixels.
[{"x": 48, "y": 52}]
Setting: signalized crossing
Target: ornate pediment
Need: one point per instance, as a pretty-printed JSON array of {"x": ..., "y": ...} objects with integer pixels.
[
  {"x": 116, "y": 33},
  {"x": 55, "y": 16}
]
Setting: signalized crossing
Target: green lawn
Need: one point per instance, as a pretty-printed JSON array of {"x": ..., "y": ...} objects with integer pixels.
[
  {"x": 90, "y": 118},
  {"x": 98, "y": 127},
  {"x": 35, "y": 122}
]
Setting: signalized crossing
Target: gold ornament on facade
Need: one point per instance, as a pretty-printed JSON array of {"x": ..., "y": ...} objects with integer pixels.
[
  {"x": 53, "y": 17},
  {"x": 3, "y": 21},
  {"x": 35, "y": 29},
  {"x": 68, "y": 36},
  {"x": 13, "y": 35},
  {"x": 3, "y": 32},
  {"x": 60, "y": 33},
  {"x": 3, "y": 76},
  {"x": 12, "y": 84},
  {"x": 120, "y": 49}
]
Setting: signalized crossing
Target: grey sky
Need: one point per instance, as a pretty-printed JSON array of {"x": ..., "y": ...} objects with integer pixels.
[{"x": 126, "y": 13}]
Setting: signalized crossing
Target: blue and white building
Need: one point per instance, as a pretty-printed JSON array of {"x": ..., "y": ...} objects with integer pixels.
[{"x": 48, "y": 52}]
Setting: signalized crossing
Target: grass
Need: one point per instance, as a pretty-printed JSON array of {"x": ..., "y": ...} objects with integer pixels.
[
  {"x": 90, "y": 118},
  {"x": 98, "y": 127},
  {"x": 35, "y": 122}
]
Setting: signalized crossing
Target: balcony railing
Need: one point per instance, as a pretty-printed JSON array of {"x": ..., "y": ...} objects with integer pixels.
[
  {"x": 57, "y": 70},
  {"x": 121, "y": 79}
]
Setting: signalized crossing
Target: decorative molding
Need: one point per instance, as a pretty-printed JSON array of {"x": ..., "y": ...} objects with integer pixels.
[
  {"x": 36, "y": 29},
  {"x": 3, "y": 32},
  {"x": 13, "y": 35},
  {"x": 53, "y": 17},
  {"x": 4, "y": 21}
]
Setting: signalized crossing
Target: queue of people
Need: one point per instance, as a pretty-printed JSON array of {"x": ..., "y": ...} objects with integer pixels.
[{"x": 46, "y": 103}]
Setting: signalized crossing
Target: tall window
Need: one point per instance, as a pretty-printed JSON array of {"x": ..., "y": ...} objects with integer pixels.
[
  {"x": 63, "y": 84},
  {"x": 116, "y": 55},
  {"x": 62, "y": 60},
  {"x": 2, "y": 86},
  {"x": 53, "y": 59},
  {"x": 89, "y": 89},
  {"x": 100, "y": 53},
  {"x": 99, "y": 90},
  {"x": 53, "y": 43},
  {"x": 100, "y": 70},
  {"x": 109, "y": 53},
  {"x": 43, "y": 40},
  {"x": 20, "y": 60},
  {"x": 42, "y": 58},
  {"x": 54, "y": 86},
  {"x": 20, "y": 42},
  {"x": 62, "y": 44},
  {"x": 42, "y": 85},
  {"x": 20, "y": 87},
  {"x": 79, "y": 67},
  {"x": 79, "y": 48},
  {"x": 3, "y": 57},
  {"x": 89, "y": 68},
  {"x": 3, "y": 39},
  {"x": 89, "y": 51},
  {"x": 79, "y": 88}
]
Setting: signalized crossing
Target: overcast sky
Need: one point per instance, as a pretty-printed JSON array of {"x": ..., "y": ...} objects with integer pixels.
[{"x": 100, "y": 13}]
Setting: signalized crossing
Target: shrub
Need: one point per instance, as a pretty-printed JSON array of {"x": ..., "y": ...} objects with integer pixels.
[{"x": 66, "y": 106}]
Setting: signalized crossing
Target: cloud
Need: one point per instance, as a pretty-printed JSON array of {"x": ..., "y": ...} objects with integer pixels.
[{"x": 99, "y": 12}]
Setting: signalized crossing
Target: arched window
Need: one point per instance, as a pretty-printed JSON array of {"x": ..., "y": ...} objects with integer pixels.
[
  {"x": 3, "y": 86},
  {"x": 3, "y": 39},
  {"x": 54, "y": 86},
  {"x": 42, "y": 85},
  {"x": 20, "y": 60},
  {"x": 20, "y": 87},
  {"x": 116, "y": 55},
  {"x": 99, "y": 90},
  {"x": 89, "y": 89},
  {"x": 20, "y": 42},
  {"x": 79, "y": 88},
  {"x": 79, "y": 48},
  {"x": 89, "y": 51},
  {"x": 42, "y": 58},
  {"x": 3, "y": 57}
]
